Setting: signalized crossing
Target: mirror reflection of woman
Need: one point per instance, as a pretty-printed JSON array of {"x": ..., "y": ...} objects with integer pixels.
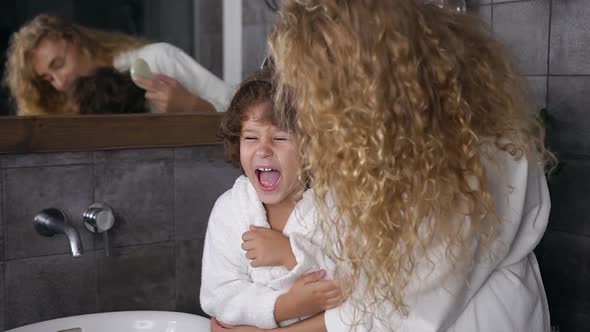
[{"x": 49, "y": 53}]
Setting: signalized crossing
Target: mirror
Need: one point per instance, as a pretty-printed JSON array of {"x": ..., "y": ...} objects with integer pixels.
[
  {"x": 170, "y": 22},
  {"x": 194, "y": 26}
]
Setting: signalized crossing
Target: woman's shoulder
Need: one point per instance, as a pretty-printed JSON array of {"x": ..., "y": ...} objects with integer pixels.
[{"x": 506, "y": 166}]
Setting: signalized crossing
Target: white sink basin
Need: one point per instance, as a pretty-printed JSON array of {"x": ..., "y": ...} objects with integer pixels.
[{"x": 123, "y": 321}]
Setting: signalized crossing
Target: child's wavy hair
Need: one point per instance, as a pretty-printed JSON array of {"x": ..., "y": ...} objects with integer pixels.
[
  {"x": 34, "y": 96},
  {"x": 256, "y": 89},
  {"x": 108, "y": 91},
  {"x": 396, "y": 102}
]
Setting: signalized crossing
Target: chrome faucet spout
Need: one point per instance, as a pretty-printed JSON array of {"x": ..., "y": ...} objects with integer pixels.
[
  {"x": 52, "y": 221},
  {"x": 74, "y": 239}
]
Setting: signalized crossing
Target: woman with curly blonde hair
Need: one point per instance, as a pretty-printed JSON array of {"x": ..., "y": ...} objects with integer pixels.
[
  {"x": 49, "y": 53},
  {"x": 426, "y": 162}
]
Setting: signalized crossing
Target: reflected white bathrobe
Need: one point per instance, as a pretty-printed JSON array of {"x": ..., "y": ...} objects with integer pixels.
[
  {"x": 171, "y": 61},
  {"x": 504, "y": 293},
  {"x": 233, "y": 291}
]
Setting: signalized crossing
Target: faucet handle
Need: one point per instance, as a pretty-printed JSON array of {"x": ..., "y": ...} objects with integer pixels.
[{"x": 98, "y": 218}]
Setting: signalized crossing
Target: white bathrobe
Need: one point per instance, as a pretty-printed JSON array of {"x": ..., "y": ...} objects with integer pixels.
[
  {"x": 504, "y": 293},
  {"x": 233, "y": 291}
]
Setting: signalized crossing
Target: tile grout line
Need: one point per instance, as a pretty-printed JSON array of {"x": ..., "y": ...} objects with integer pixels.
[
  {"x": 492, "y": 17},
  {"x": 548, "y": 54},
  {"x": 549, "y": 230},
  {"x": 139, "y": 245},
  {"x": 48, "y": 165},
  {"x": 4, "y": 273},
  {"x": 507, "y": 2},
  {"x": 557, "y": 75},
  {"x": 173, "y": 237},
  {"x": 96, "y": 274}
]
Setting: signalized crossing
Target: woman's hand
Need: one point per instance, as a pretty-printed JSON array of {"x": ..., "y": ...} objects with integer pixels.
[
  {"x": 312, "y": 324},
  {"x": 217, "y": 326},
  {"x": 268, "y": 247},
  {"x": 167, "y": 95},
  {"x": 309, "y": 295}
]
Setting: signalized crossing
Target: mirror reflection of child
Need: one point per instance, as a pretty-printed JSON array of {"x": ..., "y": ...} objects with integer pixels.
[
  {"x": 107, "y": 91},
  {"x": 263, "y": 263},
  {"x": 47, "y": 54}
]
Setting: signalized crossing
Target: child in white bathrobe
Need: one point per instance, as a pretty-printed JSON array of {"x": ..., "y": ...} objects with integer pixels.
[{"x": 263, "y": 263}]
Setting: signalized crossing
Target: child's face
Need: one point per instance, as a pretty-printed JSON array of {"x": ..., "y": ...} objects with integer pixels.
[{"x": 269, "y": 158}]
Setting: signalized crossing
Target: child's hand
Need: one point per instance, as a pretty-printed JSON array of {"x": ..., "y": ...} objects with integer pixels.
[
  {"x": 268, "y": 247},
  {"x": 311, "y": 295}
]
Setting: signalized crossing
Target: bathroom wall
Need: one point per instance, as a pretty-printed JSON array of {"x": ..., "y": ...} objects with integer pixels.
[
  {"x": 551, "y": 43},
  {"x": 162, "y": 199}
]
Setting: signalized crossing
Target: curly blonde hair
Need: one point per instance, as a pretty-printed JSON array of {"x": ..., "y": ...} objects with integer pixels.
[
  {"x": 396, "y": 103},
  {"x": 34, "y": 96}
]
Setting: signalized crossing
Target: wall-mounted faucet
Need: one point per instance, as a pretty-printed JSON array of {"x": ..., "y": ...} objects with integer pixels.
[{"x": 52, "y": 221}]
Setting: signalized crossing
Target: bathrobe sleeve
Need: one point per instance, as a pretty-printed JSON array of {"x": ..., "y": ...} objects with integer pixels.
[
  {"x": 227, "y": 291},
  {"x": 310, "y": 257},
  {"x": 307, "y": 243},
  {"x": 502, "y": 292},
  {"x": 171, "y": 61}
]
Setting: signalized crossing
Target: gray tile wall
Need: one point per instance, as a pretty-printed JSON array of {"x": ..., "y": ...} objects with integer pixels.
[
  {"x": 2, "y": 294},
  {"x": 162, "y": 199},
  {"x": 550, "y": 40}
]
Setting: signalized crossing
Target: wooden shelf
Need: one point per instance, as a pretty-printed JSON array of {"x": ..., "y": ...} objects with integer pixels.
[{"x": 24, "y": 134}]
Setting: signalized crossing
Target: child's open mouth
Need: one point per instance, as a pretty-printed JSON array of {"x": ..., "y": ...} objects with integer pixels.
[{"x": 268, "y": 178}]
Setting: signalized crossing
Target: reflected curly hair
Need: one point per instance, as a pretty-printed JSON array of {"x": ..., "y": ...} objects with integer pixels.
[
  {"x": 396, "y": 103},
  {"x": 34, "y": 96}
]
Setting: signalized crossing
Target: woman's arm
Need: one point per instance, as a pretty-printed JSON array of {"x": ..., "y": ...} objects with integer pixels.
[
  {"x": 309, "y": 296},
  {"x": 312, "y": 324},
  {"x": 167, "y": 95},
  {"x": 175, "y": 63}
]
